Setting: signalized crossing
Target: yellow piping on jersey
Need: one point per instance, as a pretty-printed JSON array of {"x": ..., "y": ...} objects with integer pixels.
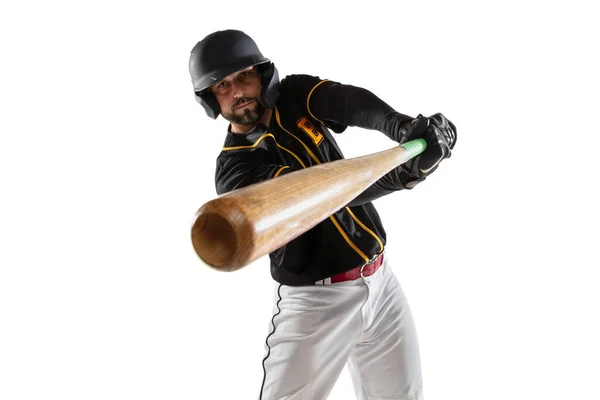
[
  {"x": 308, "y": 99},
  {"x": 279, "y": 171},
  {"x": 350, "y": 242},
  {"x": 251, "y": 146},
  {"x": 258, "y": 141},
  {"x": 295, "y": 137},
  {"x": 292, "y": 153},
  {"x": 354, "y": 217}
]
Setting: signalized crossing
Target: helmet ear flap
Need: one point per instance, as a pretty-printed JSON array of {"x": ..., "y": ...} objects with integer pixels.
[
  {"x": 269, "y": 77},
  {"x": 209, "y": 102}
]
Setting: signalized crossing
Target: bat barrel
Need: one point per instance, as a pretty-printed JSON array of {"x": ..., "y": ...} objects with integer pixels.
[
  {"x": 222, "y": 235},
  {"x": 213, "y": 236}
]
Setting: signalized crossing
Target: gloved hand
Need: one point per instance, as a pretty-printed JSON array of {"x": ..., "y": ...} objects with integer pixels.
[{"x": 440, "y": 135}]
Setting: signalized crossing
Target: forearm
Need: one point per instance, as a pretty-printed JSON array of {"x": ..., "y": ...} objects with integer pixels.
[
  {"x": 393, "y": 181},
  {"x": 355, "y": 106}
]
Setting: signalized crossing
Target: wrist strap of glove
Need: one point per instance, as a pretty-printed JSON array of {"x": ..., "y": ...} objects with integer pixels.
[{"x": 408, "y": 181}]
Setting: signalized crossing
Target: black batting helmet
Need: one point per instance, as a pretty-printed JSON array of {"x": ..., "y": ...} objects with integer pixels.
[{"x": 222, "y": 53}]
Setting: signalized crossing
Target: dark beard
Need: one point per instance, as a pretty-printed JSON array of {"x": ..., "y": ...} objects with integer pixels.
[{"x": 249, "y": 117}]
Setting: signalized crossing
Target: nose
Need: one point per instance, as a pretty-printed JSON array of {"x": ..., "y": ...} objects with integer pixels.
[{"x": 238, "y": 90}]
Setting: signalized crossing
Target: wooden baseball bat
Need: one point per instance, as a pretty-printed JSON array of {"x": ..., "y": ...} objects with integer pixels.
[{"x": 243, "y": 225}]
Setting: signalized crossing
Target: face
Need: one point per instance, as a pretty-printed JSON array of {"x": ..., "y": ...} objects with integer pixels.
[{"x": 238, "y": 96}]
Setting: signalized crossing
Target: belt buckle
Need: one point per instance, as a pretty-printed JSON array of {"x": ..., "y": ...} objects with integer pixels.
[
  {"x": 372, "y": 261},
  {"x": 362, "y": 269}
]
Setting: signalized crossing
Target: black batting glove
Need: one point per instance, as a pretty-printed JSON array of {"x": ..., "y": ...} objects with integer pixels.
[{"x": 440, "y": 135}]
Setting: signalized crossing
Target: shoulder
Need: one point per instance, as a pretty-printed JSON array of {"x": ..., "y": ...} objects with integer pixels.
[
  {"x": 300, "y": 78},
  {"x": 300, "y": 82}
]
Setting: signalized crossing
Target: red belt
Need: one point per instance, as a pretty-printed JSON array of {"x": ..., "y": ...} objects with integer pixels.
[{"x": 364, "y": 270}]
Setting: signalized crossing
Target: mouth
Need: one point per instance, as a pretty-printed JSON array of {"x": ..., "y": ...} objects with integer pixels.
[{"x": 243, "y": 105}]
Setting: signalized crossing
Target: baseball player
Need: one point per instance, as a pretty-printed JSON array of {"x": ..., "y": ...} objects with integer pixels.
[{"x": 336, "y": 299}]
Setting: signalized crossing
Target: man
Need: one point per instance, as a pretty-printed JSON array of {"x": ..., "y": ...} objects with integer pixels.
[{"x": 336, "y": 299}]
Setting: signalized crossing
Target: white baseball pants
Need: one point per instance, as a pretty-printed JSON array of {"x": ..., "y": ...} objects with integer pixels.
[{"x": 316, "y": 330}]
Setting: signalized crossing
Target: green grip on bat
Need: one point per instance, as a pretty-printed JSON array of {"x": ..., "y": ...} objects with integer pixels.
[{"x": 414, "y": 147}]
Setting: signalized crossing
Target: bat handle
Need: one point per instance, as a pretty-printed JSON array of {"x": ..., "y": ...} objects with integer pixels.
[{"x": 414, "y": 147}]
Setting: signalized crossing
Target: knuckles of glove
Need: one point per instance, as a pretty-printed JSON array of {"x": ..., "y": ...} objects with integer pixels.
[{"x": 446, "y": 127}]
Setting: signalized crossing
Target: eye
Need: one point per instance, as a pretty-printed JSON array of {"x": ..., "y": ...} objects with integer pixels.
[
  {"x": 222, "y": 85},
  {"x": 244, "y": 74}
]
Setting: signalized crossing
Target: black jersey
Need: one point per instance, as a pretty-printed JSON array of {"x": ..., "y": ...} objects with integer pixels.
[{"x": 298, "y": 137}]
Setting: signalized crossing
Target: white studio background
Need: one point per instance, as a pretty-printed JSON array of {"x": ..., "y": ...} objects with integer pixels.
[{"x": 105, "y": 157}]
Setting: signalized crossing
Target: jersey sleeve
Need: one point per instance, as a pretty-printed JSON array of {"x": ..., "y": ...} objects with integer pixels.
[
  {"x": 244, "y": 168},
  {"x": 338, "y": 106}
]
